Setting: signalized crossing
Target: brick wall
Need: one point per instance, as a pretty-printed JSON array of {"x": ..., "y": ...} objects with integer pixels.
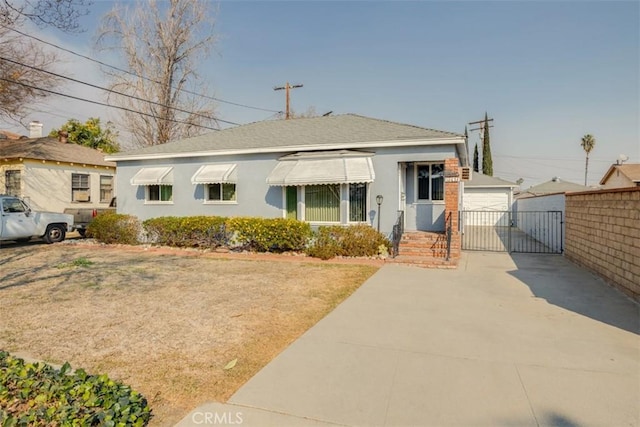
[
  {"x": 603, "y": 235},
  {"x": 452, "y": 202}
]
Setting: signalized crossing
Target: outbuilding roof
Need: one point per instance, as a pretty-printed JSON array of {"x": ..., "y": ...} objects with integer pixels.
[
  {"x": 53, "y": 150},
  {"x": 348, "y": 131},
  {"x": 479, "y": 180}
]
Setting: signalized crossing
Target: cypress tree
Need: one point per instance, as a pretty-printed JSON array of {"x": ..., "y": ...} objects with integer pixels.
[
  {"x": 487, "y": 162},
  {"x": 476, "y": 163}
]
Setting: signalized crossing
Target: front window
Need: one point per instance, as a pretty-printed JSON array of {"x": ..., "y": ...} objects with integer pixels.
[
  {"x": 358, "y": 202},
  {"x": 80, "y": 190},
  {"x": 12, "y": 182},
  {"x": 160, "y": 193},
  {"x": 225, "y": 192},
  {"x": 322, "y": 203},
  {"x": 106, "y": 188},
  {"x": 430, "y": 181}
]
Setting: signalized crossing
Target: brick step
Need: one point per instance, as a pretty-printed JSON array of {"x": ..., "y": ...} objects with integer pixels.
[
  {"x": 424, "y": 262},
  {"x": 434, "y": 252}
]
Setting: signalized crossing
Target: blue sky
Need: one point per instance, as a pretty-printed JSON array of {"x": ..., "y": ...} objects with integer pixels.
[{"x": 547, "y": 72}]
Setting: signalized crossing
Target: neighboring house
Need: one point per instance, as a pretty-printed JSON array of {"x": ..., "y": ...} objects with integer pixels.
[
  {"x": 622, "y": 176},
  {"x": 323, "y": 170},
  {"x": 53, "y": 175},
  {"x": 554, "y": 186}
]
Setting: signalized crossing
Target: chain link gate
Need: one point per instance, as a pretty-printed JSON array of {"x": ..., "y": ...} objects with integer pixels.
[{"x": 507, "y": 231}]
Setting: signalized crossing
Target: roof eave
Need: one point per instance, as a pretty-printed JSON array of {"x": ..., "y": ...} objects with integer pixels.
[{"x": 342, "y": 146}]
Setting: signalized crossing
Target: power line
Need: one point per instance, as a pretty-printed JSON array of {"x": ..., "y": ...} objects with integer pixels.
[
  {"x": 104, "y": 104},
  {"x": 134, "y": 74},
  {"x": 115, "y": 91}
]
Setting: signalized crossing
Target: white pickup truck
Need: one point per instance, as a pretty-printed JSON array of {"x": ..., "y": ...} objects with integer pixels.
[{"x": 19, "y": 223}]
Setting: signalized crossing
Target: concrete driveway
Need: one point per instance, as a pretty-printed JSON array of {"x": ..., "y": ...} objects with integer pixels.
[{"x": 512, "y": 340}]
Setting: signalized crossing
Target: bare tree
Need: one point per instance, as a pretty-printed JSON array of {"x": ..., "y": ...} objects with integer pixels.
[
  {"x": 60, "y": 14},
  {"x": 161, "y": 43},
  {"x": 22, "y": 61},
  {"x": 21, "y": 86}
]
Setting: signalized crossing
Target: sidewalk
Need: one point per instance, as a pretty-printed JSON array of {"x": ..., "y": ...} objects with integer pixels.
[{"x": 503, "y": 340}]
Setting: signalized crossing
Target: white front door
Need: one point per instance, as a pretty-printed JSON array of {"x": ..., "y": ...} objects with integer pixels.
[{"x": 17, "y": 220}]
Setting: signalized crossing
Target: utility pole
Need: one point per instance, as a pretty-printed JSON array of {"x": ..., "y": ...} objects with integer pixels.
[{"x": 286, "y": 88}]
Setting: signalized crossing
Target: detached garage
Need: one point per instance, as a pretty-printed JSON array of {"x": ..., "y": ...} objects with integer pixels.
[{"x": 486, "y": 200}]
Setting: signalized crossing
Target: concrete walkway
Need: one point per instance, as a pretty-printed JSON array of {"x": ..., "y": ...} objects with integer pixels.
[{"x": 504, "y": 340}]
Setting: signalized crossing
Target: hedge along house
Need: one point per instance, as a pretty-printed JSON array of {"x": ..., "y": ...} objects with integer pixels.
[{"x": 323, "y": 170}]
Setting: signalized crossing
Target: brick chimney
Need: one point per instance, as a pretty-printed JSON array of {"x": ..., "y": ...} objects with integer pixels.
[
  {"x": 35, "y": 129},
  {"x": 63, "y": 136}
]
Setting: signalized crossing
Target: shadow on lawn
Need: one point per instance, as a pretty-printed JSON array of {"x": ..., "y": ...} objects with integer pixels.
[
  {"x": 17, "y": 270},
  {"x": 566, "y": 285}
]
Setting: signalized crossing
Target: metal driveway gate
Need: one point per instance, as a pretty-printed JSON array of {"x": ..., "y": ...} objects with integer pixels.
[{"x": 507, "y": 231}]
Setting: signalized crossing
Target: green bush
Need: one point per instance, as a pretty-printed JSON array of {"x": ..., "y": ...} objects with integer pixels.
[
  {"x": 36, "y": 394},
  {"x": 191, "y": 231},
  {"x": 111, "y": 227},
  {"x": 353, "y": 241},
  {"x": 268, "y": 234}
]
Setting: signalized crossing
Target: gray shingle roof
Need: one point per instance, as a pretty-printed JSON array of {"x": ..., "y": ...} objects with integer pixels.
[
  {"x": 348, "y": 129},
  {"x": 52, "y": 150},
  {"x": 480, "y": 180},
  {"x": 556, "y": 185}
]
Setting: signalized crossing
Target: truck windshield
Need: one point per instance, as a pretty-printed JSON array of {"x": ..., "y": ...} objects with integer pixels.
[{"x": 11, "y": 205}]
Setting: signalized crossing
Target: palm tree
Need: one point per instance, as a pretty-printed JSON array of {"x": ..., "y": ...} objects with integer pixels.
[{"x": 588, "y": 142}]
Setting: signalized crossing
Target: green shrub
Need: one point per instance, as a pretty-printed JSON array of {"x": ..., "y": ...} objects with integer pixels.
[
  {"x": 268, "y": 234},
  {"x": 36, "y": 394},
  {"x": 353, "y": 241},
  {"x": 111, "y": 227},
  {"x": 191, "y": 231}
]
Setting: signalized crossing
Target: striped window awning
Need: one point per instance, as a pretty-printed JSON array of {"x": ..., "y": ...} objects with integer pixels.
[
  {"x": 215, "y": 174},
  {"x": 153, "y": 176},
  {"x": 322, "y": 168}
]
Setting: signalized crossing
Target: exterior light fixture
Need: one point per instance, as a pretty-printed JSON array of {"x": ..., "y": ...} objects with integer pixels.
[{"x": 379, "y": 200}]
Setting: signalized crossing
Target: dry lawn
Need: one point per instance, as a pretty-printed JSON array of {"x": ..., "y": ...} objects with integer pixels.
[{"x": 165, "y": 322}]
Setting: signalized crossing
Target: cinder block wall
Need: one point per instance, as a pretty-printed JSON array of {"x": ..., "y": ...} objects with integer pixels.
[{"x": 603, "y": 235}]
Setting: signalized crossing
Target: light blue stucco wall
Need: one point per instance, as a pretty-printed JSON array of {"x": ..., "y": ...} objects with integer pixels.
[{"x": 256, "y": 198}]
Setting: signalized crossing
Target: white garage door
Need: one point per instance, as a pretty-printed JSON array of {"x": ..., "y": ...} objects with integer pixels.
[{"x": 492, "y": 202}]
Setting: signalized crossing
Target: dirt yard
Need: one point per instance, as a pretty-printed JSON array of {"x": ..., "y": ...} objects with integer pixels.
[{"x": 166, "y": 322}]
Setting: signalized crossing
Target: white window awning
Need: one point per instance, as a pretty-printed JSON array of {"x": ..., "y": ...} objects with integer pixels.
[
  {"x": 215, "y": 174},
  {"x": 310, "y": 171},
  {"x": 153, "y": 176}
]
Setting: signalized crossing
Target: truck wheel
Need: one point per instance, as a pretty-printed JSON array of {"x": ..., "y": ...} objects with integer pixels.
[
  {"x": 82, "y": 232},
  {"x": 55, "y": 233}
]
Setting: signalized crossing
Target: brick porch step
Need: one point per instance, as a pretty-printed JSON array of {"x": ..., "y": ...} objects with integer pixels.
[{"x": 426, "y": 249}]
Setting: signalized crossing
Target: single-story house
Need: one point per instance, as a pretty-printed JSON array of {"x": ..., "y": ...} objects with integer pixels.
[
  {"x": 553, "y": 186},
  {"x": 622, "y": 176},
  {"x": 52, "y": 175},
  {"x": 342, "y": 169}
]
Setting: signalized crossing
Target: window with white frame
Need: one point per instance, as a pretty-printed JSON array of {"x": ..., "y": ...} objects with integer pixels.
[
  {"x": 106, "y": 188},
  {"x": 322, "y": 203},
  {"x": 222, "y": 192},
  {"x": 430, "y": 181},
  {"x": 358, "y": 202},
  {"x": 12, "y": 182},
  {"x": 159, "y": 193},
  {"x": 80, "y": 189}
]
